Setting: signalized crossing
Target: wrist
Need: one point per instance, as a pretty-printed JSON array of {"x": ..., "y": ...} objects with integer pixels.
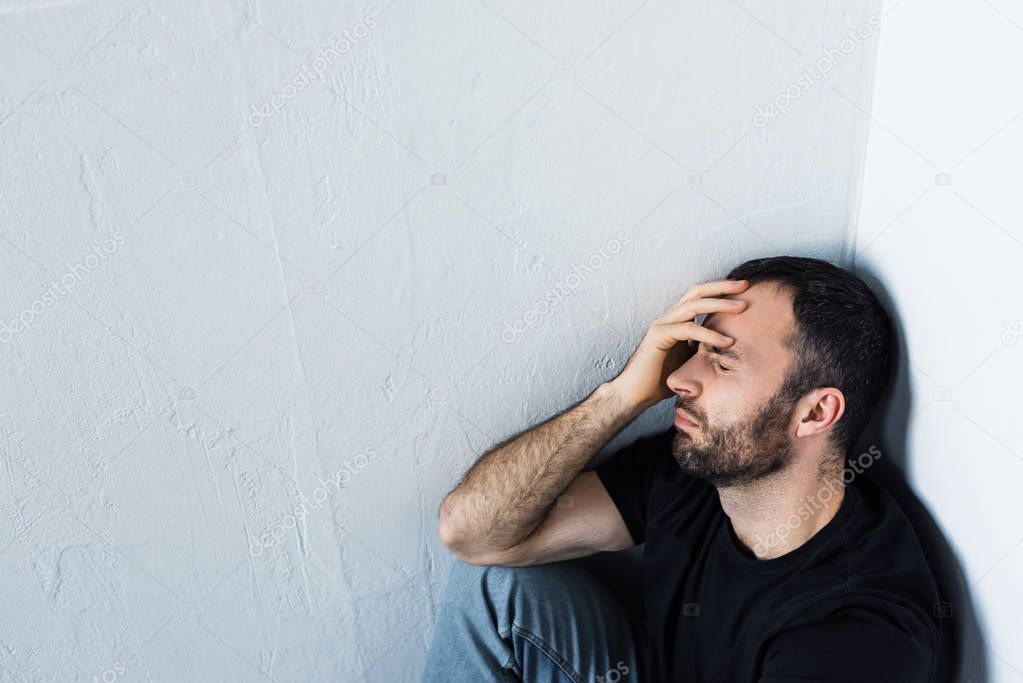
[{"x": 623, "y": 404}]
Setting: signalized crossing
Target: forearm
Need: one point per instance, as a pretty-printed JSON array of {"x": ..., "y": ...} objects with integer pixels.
[{"x": 506, "y": 494}]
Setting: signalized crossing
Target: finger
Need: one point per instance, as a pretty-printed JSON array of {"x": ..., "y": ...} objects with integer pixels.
[
  {"x": 666, "y": 335},
  {"x": 687, "y": 310},
  {"x": 714, "y": 288}
]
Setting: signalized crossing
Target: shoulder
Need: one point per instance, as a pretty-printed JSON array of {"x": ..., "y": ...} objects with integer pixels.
[
  {"x": 882, "y": 550},
  {"x": 857, "y": 643},
  {"x": 873, "y": 596}
]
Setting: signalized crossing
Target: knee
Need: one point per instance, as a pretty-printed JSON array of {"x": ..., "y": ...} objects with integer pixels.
[
  {"x": 463, "y": 576},
  {"x": 475, "y": 592},
  {"x": 473, "y": 578},
  {"x": 496, "y": 583}
]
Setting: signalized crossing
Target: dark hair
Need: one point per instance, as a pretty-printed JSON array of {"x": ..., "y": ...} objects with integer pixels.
[{"x": 842, "y": 337}]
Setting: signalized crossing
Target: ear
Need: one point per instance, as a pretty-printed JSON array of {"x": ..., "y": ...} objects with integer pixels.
[{"x": 819, "y": 410}]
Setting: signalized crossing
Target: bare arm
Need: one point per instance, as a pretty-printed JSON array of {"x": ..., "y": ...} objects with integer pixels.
[
  {"x": 507, "y": 493},
  {"x": 504, "y": 510}
]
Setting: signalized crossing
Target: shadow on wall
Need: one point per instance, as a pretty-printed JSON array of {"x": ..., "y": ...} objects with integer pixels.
[{"x": 962, "y": 657}]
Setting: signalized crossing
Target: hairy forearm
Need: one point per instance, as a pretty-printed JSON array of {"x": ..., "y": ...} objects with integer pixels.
[{"x": 506, "y": 494}]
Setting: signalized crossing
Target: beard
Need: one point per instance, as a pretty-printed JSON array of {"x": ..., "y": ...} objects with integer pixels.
[{"x": 740, "y": 452}]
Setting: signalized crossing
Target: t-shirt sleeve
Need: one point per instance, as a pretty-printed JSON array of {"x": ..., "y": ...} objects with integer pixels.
[
  {"x": 628, "y": 473},
  {"x": 857, "y": 646}
]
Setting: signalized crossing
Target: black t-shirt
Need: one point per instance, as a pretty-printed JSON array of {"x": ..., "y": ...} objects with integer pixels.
[{"x": 854, "y": 603}]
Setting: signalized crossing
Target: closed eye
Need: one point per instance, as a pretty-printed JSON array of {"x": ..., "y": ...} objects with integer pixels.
[{"x": 718, "y": 353}]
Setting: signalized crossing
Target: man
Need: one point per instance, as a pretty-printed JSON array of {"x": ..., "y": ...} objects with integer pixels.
[{"x": 765, "y": 557}]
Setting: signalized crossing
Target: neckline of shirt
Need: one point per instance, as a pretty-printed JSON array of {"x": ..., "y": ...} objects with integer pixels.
[{"x": 744, "y": 556}]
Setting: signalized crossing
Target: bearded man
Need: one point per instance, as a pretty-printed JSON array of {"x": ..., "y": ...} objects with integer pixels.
[{"x": 765, "y": 557}]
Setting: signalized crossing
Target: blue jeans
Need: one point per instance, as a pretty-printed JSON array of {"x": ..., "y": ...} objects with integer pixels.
[{"x": 552, "y": 622}]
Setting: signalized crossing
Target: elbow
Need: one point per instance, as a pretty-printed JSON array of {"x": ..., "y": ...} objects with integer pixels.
[
  {"x": 450, "y": 537},
  {"x": 451, "y": 533},
  {"x": 455, "y": 536}
]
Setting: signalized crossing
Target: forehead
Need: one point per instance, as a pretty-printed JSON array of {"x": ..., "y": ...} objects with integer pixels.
[{"x": 761, "y": 329}]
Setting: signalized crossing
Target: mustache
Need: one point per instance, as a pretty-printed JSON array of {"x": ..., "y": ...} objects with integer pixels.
[{"x": 689, "y": 408}]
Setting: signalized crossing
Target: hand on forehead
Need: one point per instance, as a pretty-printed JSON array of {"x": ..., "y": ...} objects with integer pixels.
[{"x": 763, "y": 324}]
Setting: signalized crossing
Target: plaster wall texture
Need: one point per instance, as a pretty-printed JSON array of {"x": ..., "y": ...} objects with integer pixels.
[{"x": 274, "y": 275}]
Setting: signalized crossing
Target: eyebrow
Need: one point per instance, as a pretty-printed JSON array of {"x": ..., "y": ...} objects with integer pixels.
[{"x": 727, "y": 352}]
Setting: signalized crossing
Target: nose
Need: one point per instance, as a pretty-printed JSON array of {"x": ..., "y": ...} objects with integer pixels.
[{"x": 683, "y": 381}]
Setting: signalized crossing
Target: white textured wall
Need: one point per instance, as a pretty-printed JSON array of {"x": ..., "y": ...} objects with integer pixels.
[
  {"x": 940, "y": 226},
  {"x": 215, "y": 314}
]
